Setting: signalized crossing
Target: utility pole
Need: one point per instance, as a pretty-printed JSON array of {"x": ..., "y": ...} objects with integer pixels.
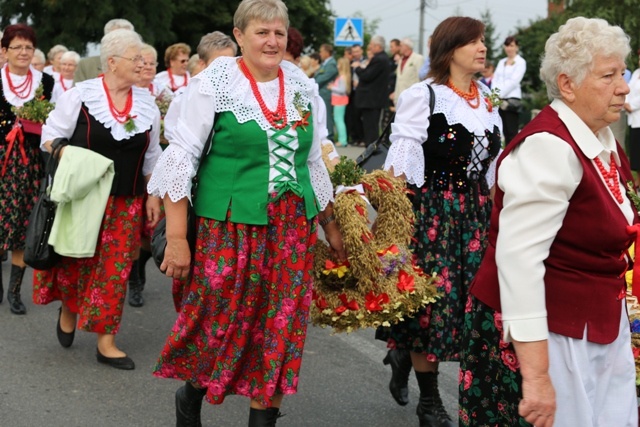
[{"x": 423, "y": 5}]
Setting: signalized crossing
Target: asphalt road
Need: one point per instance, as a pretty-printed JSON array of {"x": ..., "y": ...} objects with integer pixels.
[{"x": 343, "y": 381}]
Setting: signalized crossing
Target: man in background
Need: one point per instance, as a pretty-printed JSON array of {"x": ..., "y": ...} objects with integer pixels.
[
  {"x": 407, "y": 69},
  {"x": 326, "y": 74}
]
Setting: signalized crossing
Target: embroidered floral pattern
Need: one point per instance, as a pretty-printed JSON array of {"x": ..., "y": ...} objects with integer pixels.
[
  {"x": 251, "y": 294},
  {"x": 95, "y": 287}
]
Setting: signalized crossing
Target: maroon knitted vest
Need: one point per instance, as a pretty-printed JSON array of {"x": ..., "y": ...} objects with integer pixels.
[{"x": 584, "y": 277}]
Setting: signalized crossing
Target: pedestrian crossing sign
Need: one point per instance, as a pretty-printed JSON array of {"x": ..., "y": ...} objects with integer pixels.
[{"x": 348, "y": 31}]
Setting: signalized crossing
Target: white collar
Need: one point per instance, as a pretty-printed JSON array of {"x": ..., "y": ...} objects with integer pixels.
[
  {"x": 224, "y": 80},
  {"x": 11, "y": 97},
  {"x": 144, "y": 108}
]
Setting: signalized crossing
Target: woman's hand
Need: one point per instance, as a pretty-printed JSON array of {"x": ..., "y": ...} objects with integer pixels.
[
  {"x": 538, "y": 404},
  {"x": 177, "y": 258},
  {"x": 334, "y": 237},
  {"x": 153, "y": 210}
]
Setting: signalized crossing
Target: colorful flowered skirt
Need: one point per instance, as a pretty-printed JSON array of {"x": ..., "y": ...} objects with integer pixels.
[
  {"x": 23, "y": 170},
  {"x": 243, "y": 319},
  {"x": 490, "y": 380},
  {"x": 95, "y": 287},
  {"x": 450, "y": 239}
]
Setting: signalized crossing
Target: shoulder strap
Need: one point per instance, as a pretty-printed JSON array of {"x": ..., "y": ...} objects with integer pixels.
[{"x": 205, "y": 151}]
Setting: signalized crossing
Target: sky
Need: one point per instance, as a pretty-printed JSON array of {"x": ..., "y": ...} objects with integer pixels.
[{"x": 401, "y": 18}]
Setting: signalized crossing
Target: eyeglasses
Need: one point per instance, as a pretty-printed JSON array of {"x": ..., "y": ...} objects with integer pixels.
[
  {"x": 184, "y": 61},
  {"x": 21, "y": 48},
  {"x": 137, "y": 58}
]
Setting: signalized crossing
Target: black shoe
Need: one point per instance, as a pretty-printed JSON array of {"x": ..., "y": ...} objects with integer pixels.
[
  {"x": 189, "y": 406},
  {"x": 135, "y": 294},
  {"x": 400, "y": 361},
  {"x": 64, "y": 338},
  {"x": 264, "y": 417},
  {"x": 13, "y": 293},
  {"x": 116, "y": 362},
  {"x": 430, "y": 410}
]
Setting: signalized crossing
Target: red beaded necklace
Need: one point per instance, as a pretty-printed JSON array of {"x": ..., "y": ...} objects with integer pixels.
[
  {"x": 278, "y": 118},
  {"x": 610, "y": 177},
  {"x": 64, "y": 88},
  {"x": 173, "y": 83},
  {"x": 121, "y": 116},
  {"x": 23, "y": 90},
  {"x": 470, "y": 96}
]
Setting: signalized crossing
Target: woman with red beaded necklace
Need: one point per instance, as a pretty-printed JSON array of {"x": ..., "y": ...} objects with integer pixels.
[
  {"x": 111, "y": 117},
  {"x": 261, "y": 187},
  {"x": 176, "y": 76},
  {"x": 22, "y": 164},
  {"x": 547, "y": 337},
  {"x": 447, "y": 154}
]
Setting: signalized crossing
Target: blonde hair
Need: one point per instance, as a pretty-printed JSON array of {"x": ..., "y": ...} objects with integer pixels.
[
  {"x": 344, "y": 69},
  {"x": 173, "y": 51},
  {"x": 260, "y": 10}
]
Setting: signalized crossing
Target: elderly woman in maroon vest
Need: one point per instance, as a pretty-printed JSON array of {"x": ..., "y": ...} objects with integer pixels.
[
  {"x": 547, "y": 332},
  {"x": 110, "y": 116}
]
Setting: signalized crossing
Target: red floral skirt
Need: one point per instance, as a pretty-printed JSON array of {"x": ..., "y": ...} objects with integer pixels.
[
  {"x": 243, "y": 318},
  {"x": 95, "y": 287}
]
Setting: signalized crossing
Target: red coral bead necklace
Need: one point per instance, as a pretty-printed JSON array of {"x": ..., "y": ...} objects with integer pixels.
[
  {"x": 470, "y": 96},
  {"x": 278, "y": 118},
  {"x": 172, "y": 82},
  {"x": 23, "y": 90},
  {"x": 121, "y": 116},
  {"x": 610, "y": 177}
]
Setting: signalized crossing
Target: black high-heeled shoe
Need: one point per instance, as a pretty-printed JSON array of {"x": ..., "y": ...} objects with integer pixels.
[
  {"x": 400, "y": 362},
  {"x": 64, "y": 338}
]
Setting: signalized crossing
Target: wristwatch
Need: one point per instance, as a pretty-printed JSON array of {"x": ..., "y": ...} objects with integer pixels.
[{"x": 326, "y": 220}]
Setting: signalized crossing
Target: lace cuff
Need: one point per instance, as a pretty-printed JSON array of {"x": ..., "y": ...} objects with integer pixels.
[
  {"x": 172, "y": 175},
  {"x": 321, "y": 183},
  {"x": 406, "y": 157}
]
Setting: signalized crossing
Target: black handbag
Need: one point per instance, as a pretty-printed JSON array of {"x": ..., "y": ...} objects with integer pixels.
[
  {"x": 374, "y": 156},
  {"x": 38, "y": 253},
  {"x": 159, "y": 237}
]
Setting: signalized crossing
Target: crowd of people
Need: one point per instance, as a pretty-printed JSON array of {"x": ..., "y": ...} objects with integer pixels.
[{"x": 530, "y": 276}]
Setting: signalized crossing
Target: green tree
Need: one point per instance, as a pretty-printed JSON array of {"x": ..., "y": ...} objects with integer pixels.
[
  {"x": 73, "y": 23},
  {"x": 490, "y": 36}
]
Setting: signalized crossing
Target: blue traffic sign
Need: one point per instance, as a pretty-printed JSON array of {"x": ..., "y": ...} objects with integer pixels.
[{"x": 348, "y": 31}]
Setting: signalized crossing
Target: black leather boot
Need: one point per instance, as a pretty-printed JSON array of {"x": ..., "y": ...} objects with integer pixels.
[
  {"x": 13, "y": 293},
  {"x": 189, "y": 405},
  {"x": 400, "y": 361},
  {"x": 264, "y": 417},
  {"x": 136, "y": 286},
  {"x": 430, "y": 410}
]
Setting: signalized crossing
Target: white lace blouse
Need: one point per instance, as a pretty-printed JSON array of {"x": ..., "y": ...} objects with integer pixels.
[
  {"x": 63, "y": 119},
  {"x": 17, "y": 80},
  {"x": 409, "y": 130},
  {"x": 222, "y": 87}
]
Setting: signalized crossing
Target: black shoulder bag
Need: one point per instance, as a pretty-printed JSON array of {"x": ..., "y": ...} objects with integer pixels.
[
  {"x": 159, "y": 237},
  {"x": 374, "y": 156},
  {"x": 38, "y": 253}
]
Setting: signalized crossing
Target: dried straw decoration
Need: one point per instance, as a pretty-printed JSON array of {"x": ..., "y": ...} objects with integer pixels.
[{"x": 381, "y": 283}]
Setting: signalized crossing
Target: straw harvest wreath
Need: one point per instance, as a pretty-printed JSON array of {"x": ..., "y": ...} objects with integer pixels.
[{"x": 380, "y": 283}]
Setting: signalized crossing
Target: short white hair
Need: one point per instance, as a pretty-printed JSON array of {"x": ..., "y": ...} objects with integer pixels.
[
  {"x": 70, "y": 55},
  {"x": 116, "y": 43},
  {"x": 379, "y": 40},
  {"x": 56, "y": 50},
  {"x": 40, "y": 55},
  {"x": 407, "y": 42},
  {"x": 116, "y": 24},
  {"x": 572, "y": 50}
]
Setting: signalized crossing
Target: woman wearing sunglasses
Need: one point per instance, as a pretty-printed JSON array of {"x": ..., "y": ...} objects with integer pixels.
[{"x": 176, "y": 76}]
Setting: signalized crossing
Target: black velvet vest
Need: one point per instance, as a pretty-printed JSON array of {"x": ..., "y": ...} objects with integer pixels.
[
  {"x": 127, "y": 155},
  {"x": 448, "y": 153}
]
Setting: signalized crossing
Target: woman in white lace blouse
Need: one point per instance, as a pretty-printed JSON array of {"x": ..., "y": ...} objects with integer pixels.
[
  {"x": 109, "y": 116},
  {"x": 262, "y": 188},
  {"x": 446, "y": 154}
]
